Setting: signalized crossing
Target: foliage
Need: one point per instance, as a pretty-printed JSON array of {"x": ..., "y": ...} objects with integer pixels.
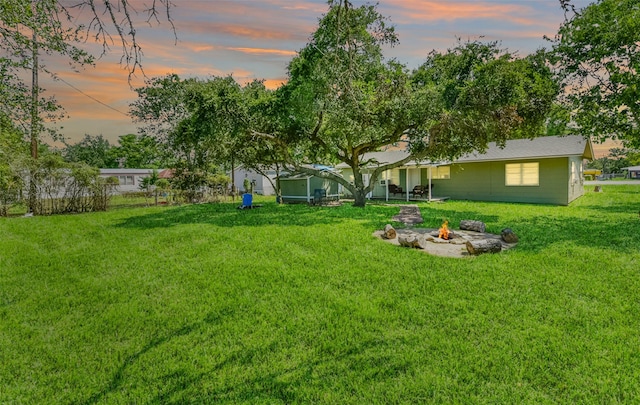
[
  {"x": 14, "y": 152},
  {"x": 30, "y": 28},
  {"x": 291, "y": 304},
  {"x": 597, "y": 52},
  {"x": 27, "y": 28},
  {"x": 207, "y": 124},
  {"x": 138, "y": 151},
  {"x": 132, "y": 151},
  {"x": 60, "y": 187},
  {"x": 343, "y": 99},
  {"x": 161, "y": 105},
  {"x": 93, "y": 150},
  {"x": 166, "y": 107},
  {"x": 616, "y": 161},
  {"x": 60, "y": 27}
]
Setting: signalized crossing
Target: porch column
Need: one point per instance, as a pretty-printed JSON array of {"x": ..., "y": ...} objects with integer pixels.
[
  {"x": 308, "y": 190},
  {"x": 386, "y": 183},
  {"x": 429, "y": 171},
  {"x": 406, "y": 181}
]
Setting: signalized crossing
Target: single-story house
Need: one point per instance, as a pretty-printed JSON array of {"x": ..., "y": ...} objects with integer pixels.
[
  {"x": 633, "y": 172},
  {"x": 546, "y": 170},
  {"x": 129, "y": 179}
]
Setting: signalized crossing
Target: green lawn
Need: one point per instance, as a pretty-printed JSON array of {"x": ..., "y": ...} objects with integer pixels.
[{"x": 298, "y": 304}]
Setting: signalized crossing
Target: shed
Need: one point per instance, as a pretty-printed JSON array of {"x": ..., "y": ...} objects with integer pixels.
[{"x": 303, "y": 188}]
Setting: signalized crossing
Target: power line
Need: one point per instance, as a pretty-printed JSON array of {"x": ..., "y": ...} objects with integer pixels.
[{"x": 91, "y": 97}]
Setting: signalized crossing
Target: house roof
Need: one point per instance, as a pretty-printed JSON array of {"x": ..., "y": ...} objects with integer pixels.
[
  {"x": 166, "y": 174},
  {"x": 632, "y": 168},
  {"x": 542, "y": 147},
  {"x": 537, "y": 148}
]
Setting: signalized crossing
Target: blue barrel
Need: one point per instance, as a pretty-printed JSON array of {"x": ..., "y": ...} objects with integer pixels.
[{"x": 247, "y": 200}]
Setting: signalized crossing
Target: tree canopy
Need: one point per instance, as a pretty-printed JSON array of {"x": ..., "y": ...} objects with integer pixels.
[
  {"x": 344, "y": 99},
  {"x": 597, "y": 52},
  {"x": 29, "y": 27}
]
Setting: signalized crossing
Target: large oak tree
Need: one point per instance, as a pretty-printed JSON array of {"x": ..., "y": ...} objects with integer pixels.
[{"x": 344, "y": 99}]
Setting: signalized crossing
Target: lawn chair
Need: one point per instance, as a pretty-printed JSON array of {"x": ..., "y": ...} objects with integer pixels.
[
  {"x": 418, "y": 191},
  {"x": 319, "y": 196},
  {"x": 394, "y": 189}
]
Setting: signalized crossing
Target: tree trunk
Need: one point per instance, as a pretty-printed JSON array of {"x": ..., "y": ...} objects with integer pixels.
[
  {"x": 470, "y": 225},
  {"x": 477, "y": 247},
  {"x": 413, "y": 241},
  {"x": 389, "y": 232},
  {"x": 360, "y": 198}
]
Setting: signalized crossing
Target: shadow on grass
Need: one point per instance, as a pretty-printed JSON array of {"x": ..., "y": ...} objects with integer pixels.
[
  {"x": 611, "y": 226},
  {"x": 541, "y": 232},
  {"x": 227, "y": 215},
  {"x": 287, "y": 383},
  {"x": 118, "y": 377},
  {"x": 283, "y": 384}
]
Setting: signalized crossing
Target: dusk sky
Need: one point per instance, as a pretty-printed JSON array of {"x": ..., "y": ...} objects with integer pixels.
[{"x": 257, "y": 38}]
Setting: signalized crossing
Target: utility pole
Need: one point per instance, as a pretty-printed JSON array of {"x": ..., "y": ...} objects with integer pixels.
[{"x": 35, "y": 94}]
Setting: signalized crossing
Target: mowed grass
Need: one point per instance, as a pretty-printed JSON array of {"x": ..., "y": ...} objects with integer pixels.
[{"x": 297, "y": 304}]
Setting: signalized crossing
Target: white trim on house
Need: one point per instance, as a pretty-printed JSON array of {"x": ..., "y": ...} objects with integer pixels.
[{"x": 136, "y": 176}]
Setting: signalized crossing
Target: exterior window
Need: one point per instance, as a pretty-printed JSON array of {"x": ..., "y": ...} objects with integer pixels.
[
  {"x": 522, "y": 174},
  {"x": 125, "y": 180},
  {"x": 441, "y": 172}
]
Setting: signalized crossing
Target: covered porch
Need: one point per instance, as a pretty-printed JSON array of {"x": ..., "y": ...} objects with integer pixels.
[{"x": 415, "y": 182}]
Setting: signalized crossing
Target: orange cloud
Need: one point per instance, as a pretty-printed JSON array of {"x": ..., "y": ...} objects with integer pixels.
[
  {"x": 264, "y": 32},
  {"x": 261, "y": 51},
  {"x": 273, "y": 84}
]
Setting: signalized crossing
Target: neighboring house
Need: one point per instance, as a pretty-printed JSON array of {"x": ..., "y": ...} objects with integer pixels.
[
  {"x": 166, "y": 174},
  {"x": 129, "y": 179},
  {"x": 546, "y": 170},
  {"x": 261, "y": 184},
  {"x": 634, "y": 172}
]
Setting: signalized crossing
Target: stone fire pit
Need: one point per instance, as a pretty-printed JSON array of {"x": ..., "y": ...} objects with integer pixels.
[{"x": 456, "y": 246}]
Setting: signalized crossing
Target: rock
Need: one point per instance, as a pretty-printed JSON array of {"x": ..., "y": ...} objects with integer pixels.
[
  {"x": 476, "y": 247},
  {"x": 470, "y": 225},
  {"x": 389, "y": 232},
  {"x": 509, "y": 236}
]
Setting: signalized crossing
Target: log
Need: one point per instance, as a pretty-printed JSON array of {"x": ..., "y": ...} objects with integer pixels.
[
  {"x": 412, "y": 241},
  {"x": 389, "y": 232},
  {"x": 509, "y": 236},
  {"x": 477, "y": 247},
  {"x": 470, "y": 225}
]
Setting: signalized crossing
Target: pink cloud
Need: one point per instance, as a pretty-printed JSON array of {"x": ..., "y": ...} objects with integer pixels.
[{"x": 421, "y": 10}]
